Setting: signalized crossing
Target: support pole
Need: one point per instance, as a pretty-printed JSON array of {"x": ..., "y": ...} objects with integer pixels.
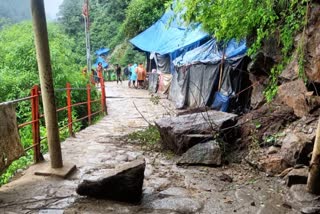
[
  {"x": 313, "y": 184},
  {"x": 36, "y": 124},
  {"x": 87, "y": 33},
  {"x": 69, "y": 105},
  {"x": 89, "y": 103},
  {"x": 45, "y": 73}
]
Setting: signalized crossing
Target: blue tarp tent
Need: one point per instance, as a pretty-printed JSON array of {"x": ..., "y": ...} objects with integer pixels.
[
  {"x": 102, "y": 51},
  {"x": 196, "y": 79},
  {"x": 100, "y": 59},
  {"x": 211, "y": 53},
  {"x": 167, "y": 36}
]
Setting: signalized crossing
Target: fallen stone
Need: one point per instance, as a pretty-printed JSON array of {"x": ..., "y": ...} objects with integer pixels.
[
  {"x": 311, "y": 210},
  {"x": 226, "y": 178},
  {"x": 124, "y": 184},
  {"x": 175, "y": 191},
  {"x": 272, "y": 150},
  {"x": 259, "y": 85},
  {"x": 202, "y": 154},
  {"x": 182, "y": 132},
  {"x": 181, "y": 205},
  {"x": 273, "y": 164},
  {"x": 293, "y": 94},
  {"x": 297, "y": 176},
  {"x": 295, "y": 149}
]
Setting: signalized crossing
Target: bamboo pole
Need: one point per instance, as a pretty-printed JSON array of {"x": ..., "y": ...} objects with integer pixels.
[
  {"x": 313, "y": 184},
  {"x": 46, "y": 82},
  {"x": 221, "y": 70}
]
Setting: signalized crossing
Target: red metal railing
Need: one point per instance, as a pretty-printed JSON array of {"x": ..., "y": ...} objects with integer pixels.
[{"x": 36, "y": 116}]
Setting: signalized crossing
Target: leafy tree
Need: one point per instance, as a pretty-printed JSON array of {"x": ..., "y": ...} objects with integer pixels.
[
  {"x": 260, "y": 20},
  {"x": 140, "y": 14}
]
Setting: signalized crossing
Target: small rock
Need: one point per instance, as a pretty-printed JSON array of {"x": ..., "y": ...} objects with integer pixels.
[
  {"x": 181, "y": 205},
  {"x": 225, "y": 178},
  {"x": 297, "y": 176},
  {"x": 272, "y": 150},
  {"x": 175, "y": 191},
  {"x": 310, "y": 210},
  {"x": 253, "y": 203},
  {"x": 122, "y": 158}
]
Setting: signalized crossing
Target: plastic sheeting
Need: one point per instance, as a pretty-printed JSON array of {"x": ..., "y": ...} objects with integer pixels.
[
  {"x": 102, "y": 51},
  {"x": 196, "y": 85},
  {"x": 10, "y": 146},
  {"x": 153, "y": 82},
  {"x": 211, "y": 52},
  {"x": 167, "y": 36},
  {"x": 193, "y": 86},
  {"x": 100, "y": 59},
  {"x": 163, "y": 63},
  {"x": 164, "y": 83}
]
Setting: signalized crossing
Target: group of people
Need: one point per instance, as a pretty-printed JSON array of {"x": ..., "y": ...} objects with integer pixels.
[{"x": 135, "y": 73}]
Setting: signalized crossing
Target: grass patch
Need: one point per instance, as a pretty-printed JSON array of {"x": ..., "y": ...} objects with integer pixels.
[{"x": 148, "y": 137}]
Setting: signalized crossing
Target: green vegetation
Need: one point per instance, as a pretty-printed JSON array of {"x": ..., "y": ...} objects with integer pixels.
[
  {"x": 113, "y": 23},
  {"x": 18, "y": 73},
  {"x": 149, "y": 136}
]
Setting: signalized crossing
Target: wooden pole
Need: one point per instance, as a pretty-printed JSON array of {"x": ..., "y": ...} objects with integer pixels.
[
  {"x": 313, "y": 184},
  {"x": 45, "y": 73},
  {"x": 221, "y": 70}
]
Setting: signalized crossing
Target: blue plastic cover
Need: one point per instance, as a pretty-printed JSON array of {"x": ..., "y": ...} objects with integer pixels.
[
  {"x": 100, "y": 59},
  {"x": 102, "y": 51},
  {"x": 167, "y": 36},
  {"x": 211, "y": 53}
]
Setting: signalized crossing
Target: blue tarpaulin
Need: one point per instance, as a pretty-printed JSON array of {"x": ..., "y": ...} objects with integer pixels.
[
  {"x": 102, "y": 51},
  {"x": 167, "y": 36},
  {"x": 211, "y": 53},
  {"x": 100, "y": 59}
]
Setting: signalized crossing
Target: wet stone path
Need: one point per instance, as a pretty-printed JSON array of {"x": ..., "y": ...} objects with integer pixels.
[{"x": 167, "y": 188}]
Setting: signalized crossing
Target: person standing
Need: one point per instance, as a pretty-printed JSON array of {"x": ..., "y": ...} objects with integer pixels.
[
  {"x": 127, "y": 72},
  {"x": 141, "y": 73},
  {"x": 133, "y": 76},
  {"x": 98, "y": 74},
  {"x": 118, "y": 72}
]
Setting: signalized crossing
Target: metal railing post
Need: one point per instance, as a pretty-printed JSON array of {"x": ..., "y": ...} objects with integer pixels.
[
  {"x": 89, "y": 103},
  {"x": 69, "y": 107},
  {"x": 103, "y": 95},
  {"x": 35, "y": 124}
]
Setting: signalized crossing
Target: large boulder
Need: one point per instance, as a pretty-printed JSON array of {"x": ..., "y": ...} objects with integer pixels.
[
  {"x": 258, "y": 86},
  {"x": 293, "y": 94},
  {"x": 182, "y": 132},
  {"x": 124, "y": 184},
  {"x": 208, "y": 153},
  {"x": 295, "y": 148}
]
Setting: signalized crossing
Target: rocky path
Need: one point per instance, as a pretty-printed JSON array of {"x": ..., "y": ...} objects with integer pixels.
[{"x": 167, "y": 188}]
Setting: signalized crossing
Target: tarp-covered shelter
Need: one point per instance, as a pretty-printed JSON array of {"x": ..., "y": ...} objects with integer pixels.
[
  {"x": 102, "y": 60},
  {"x": 102, "y": 51},
  {"x": 197, "y": 75},
  {"x": 167, "y": 39}
]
